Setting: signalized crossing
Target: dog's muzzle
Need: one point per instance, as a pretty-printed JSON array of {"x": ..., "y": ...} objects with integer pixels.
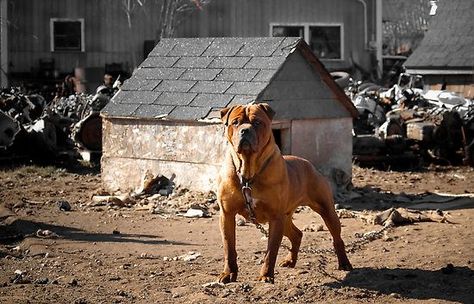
[{"x": 246, "y": 141}]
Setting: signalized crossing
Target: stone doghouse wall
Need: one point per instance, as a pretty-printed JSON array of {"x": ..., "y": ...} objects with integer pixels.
[{"x": 193, "y": 152}]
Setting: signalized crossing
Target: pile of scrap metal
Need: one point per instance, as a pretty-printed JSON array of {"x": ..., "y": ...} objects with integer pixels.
[
  {"x": 407, "y": 124},
  {"x": 31, "y": 127}
]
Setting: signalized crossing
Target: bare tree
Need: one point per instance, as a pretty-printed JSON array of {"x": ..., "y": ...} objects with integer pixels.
[
  {"x": 404, "y": 25},
  {"x": 171, "y": 13}
]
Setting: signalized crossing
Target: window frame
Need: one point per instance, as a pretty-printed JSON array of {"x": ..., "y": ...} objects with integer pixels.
[
  {"x": 307, "y": 36},
  {"x": 51, "y": 34}
]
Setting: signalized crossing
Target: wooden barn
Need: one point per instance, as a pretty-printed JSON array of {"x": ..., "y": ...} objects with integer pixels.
[
  {"x": 166, "y": 118},
  {"x": 445, "y": 57},
  {"x": 44, "y": 40}
]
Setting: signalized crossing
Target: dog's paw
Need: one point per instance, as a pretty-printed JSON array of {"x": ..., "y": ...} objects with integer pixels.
[
  {"x": 345, "y": 266},
  {"x": 226, "y": 277},
  {"x": 266, "y": 279},
  {"x": 287, "y": 263}
]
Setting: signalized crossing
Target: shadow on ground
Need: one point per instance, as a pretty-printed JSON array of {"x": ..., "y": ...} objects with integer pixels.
[
  {"x": 20, "y": 228},
  {"x": 449, "y": 283}
]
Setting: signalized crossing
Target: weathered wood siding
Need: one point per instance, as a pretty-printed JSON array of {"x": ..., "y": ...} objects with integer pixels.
[
  {"x": 252, "y": 18},
  {"x": 191, "y": 151},
  {"x": 107, "y": 36}
]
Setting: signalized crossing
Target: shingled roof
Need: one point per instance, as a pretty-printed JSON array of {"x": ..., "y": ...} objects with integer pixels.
[
  {"x": 449, "y": 42},
  {"x": 192, "y": 78}
]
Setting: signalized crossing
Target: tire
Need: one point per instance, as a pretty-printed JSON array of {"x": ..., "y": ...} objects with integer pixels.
[{"x": 341, "y": 78}]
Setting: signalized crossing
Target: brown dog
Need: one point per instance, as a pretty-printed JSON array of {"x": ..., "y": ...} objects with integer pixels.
[{"x": 256, "y": 174}]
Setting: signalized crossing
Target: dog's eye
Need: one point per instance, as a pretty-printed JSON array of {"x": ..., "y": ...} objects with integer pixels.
[
  {"x": 235, "y": 122},
  {"x": 256, "y": 123}
]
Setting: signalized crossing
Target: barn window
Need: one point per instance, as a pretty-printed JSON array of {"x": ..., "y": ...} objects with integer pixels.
[
  {"x": 326, "y": 40},
  {"x": 288, "y": 31},
  {"x": 67, "y": 35}
]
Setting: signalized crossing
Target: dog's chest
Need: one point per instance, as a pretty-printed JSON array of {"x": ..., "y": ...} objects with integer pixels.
[{"x": 258, "y": 209}]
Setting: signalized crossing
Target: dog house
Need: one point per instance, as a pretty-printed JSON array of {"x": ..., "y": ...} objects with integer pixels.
[{"x": 166, "y": 118}]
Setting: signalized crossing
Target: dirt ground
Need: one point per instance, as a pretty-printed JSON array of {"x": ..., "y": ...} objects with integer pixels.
[{"x": 138, "y": 253}]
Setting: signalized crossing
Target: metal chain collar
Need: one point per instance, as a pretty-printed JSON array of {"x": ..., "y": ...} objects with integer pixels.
[{"x": 247, "y": 193}]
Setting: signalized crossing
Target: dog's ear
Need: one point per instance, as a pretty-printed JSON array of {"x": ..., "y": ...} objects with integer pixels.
[
  {"x": 225, "y": 113},
  {"x": 267, "y": 109}
]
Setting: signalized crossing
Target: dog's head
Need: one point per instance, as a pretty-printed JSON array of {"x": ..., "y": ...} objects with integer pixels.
[{"x": 248, "y": 126}]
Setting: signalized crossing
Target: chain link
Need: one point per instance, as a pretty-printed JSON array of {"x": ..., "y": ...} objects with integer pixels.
[{"x": 361, "y": 238}]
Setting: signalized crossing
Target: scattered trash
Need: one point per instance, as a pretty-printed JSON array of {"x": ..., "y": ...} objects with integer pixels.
[
  {"x": 396, "y": 216},
  {"x": 405, "y": 124},
  {"x": 213, "y": 285},
  {"x": 119, "y": 200},
  {"x": 46, "y": 234},
  {"x": 241, "y": 221},
  {"x": 31, "y": 126},
  {"x": 156, "y": 184},
  {"x": 194, "y": 213},
  {"x": 190, "y": 256},
  {"x": 42, "y": 281},
  {"x": 64, "y": 205},
  {"x": 313, "y": 228},
  {"x": 148, "y": 256},
  {"x": 20, "y": 277}
]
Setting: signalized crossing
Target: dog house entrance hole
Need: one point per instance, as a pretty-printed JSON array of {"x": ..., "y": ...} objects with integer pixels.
[{"x": 282, "y": 139}]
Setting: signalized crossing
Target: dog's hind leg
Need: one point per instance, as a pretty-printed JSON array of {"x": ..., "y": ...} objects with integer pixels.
[
  {"x": 334, "y": 226},
  {"x": 323, "y": 204},
  {"x": 294, "y": 235}
]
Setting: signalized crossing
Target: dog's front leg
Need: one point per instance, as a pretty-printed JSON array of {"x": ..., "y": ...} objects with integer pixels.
[
  {"x": 267, "y": 273},
  {"x": 227, "y": 225}
]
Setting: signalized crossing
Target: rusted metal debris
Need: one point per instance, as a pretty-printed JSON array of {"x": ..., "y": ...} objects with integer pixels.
[
  {"x": 32, "y": 127},
  {"x": 406, "y": 123}
]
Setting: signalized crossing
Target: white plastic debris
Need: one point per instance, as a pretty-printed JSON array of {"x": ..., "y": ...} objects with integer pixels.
[
  {"x": 194, "y": 213},
  {"x": 190, "y": 256}
]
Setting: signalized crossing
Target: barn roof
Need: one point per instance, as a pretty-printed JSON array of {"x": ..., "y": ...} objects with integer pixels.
[
  {"x": 192, "y": 78},
  {"x": 449, "y": 42}
]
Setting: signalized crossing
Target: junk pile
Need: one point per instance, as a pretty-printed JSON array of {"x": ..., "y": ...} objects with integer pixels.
[
  {"x": 32, "y": 127},
  {"x": 159, "y": 195},
  {"x": 405, "y": 123}
]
